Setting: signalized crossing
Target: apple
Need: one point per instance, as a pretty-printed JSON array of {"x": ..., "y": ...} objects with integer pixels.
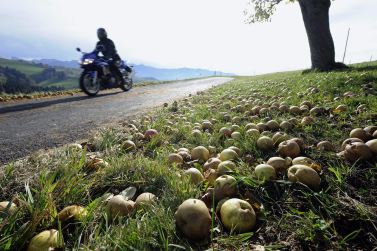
[
  {"x": 357, "y": 150},
  {"x": 45, "y": 241},
  {"x": 305, "y": 175},
  {"x": 175, "y": 158},
  {"x": 225, "y": 186},
  {"x": 279, "y": 137},
  {"x": 225, "y": 131},
  {"x": 273, "y": 125},
  {"x": 200, "y": 153},
  {"x": 370, "y": 129},
  {"x": 306, "y": 162},
  {"x": 236, "y": 149},
  {"x": 262, "y": 127},
  {"x": 211, "y": 163},
  {"x": 307, "y": 120},
  {"x": 72, "y": 212},
  {"x": 359, "y": 133},
  {"x": 286, "y": 126},
  {"x": 237, "y": 215},
  {"x": 265, "y": 172},
  {"x": 196, "y": 133},
  {"x": 195, "y": 175},
  {"x": 228, "y": 154},
  {"x": 251, "y": 126},
  {"x": 226, "y": 167},
  {"x": 326, "y": 146},
  {"x": 129, "y": 145},
  {"x": 289, "y": 148},
  {"x": 145, "y": 199},
  {"x": 207, "y": 125},
  {"x": 294, "y": 110},
  {"x": 236, "y": 135},
  {"x": 279, "y": 164},
  {"x": 150, "y": 133},
  {"x": 117, "y": 206},
  {"x": 349, "y": 141},
  {"x": 372, "y": 144},
  {"x": 265, "y": 143},
  {"x": 253, "y": 133},
  {"x": 7, "y": 206},
  {"x": 193, "y": 219}
]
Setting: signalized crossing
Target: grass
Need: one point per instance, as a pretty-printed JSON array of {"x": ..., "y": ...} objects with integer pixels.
[
  {"x": 340, "y": 215},
  {"x": 22, "y": 66}
]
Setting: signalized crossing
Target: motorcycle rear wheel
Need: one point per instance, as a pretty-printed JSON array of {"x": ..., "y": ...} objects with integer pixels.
[{"x": 87, "y": 84}]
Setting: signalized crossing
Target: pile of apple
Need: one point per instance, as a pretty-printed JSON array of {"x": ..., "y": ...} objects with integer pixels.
[{"x": 361, "y": 145}]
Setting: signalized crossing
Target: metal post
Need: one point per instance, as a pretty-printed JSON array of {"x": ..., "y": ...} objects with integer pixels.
[{"x": 345, "y": 49}]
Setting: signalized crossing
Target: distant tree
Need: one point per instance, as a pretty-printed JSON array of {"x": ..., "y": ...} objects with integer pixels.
[{"x": 315, "y": 14}]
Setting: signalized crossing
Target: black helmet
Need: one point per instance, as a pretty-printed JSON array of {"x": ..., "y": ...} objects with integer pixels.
[{"x": 101, "y": 33}]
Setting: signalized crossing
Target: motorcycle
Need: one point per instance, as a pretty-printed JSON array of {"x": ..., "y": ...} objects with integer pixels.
[{"x": 97, "y": 75}]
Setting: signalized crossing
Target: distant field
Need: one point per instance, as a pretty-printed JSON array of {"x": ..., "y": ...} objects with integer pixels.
[{"x": 22, "y": 66}]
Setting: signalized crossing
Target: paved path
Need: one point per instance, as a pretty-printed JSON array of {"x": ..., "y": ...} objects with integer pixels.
[{"x": 28, "y": 126}]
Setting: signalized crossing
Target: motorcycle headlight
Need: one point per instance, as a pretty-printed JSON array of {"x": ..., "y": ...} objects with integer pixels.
[{"x": 87, "y": 61}]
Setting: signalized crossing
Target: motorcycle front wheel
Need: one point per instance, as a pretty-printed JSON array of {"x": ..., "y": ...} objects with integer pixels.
[
  {"x": 88, "y": 85},
  {"x": 127, "y": 84}
]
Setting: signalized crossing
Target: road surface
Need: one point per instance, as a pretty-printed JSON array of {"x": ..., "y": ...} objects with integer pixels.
[{"x": 28, "y": 126}]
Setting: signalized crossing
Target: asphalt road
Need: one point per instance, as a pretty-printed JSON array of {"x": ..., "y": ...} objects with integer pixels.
[{"x": 28, "y": 126}]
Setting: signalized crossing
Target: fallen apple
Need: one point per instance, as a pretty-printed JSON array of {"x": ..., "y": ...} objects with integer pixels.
[
  {"x": 349, "y": 141},
  {"x": 236, "y": 135},
  {"x": 193, "y": 219},
  {"x": 372, "y": 144},
  {"x": 7, "y": 206},
  {"x": 289, "y": 148},
  {"x": 370, "y": 129},
  {"x": 196, "y": 177},
  {"x": 129, "y": 145},
  {"x": 236, "y": 149},
  {"x": 357, "y": 151},
  {"x": 175, "y": 158},
  {"x": 225, "y": 131},
  {"x": 286, "y": 126},
  {"x": 253, "y": 133},
  {"x": 305, "y": 175},
  {"x": 306, "y": 162},
  {"x": 117, "y": 206},
  {"x": 273, "y": 125},
  {"x": 145, "y": 199},
  {"x": 211, "y": 163},
  {"x": 237, "y": 215},
  {"x": 265, "y": 143},
  {"x": 200, "y": 153},
  {"x": 326, "y": 146},
  {"x": 279, "y": 137},
  {"x": 265, "y": 172},
  {"x": 196, "y": 134},
  {"x": 226, "y": 167},
  {"x": 45, "y": 241},
  {"x": 279, "y": 164},
  {"x": 225, "y": 186},
  {"x": 359, "y": 133},
  {"x": 72, "y": 212},
  {"x": 228, "y": 154},
  {"x": 150, "y": 133}
]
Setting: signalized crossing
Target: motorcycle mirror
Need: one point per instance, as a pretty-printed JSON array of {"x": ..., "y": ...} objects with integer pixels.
[{"x": 78, "y": 49}]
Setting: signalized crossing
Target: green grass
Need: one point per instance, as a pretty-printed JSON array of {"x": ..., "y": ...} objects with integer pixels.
[
  {"x": 22, "y": 66},
  {"x": 340, "y": 215}
]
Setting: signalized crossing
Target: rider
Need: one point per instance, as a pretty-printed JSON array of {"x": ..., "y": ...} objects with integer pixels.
[{"x": 107, "y": 48}]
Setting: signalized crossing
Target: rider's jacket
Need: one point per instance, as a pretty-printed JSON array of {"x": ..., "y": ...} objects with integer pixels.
[{"x": 107, "y": 48}]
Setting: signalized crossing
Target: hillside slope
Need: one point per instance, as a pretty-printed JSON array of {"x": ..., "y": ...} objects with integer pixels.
[{"x": 328, "y": 202}]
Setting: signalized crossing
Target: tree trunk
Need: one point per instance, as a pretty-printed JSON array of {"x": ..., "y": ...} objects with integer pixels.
[{"x": 315, "y": 14}]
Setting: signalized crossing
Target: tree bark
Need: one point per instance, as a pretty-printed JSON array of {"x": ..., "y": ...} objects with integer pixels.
[{"x": 315, "y": 14}]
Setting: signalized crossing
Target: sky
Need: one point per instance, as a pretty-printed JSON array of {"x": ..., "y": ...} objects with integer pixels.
[{"x": 209, "y": 34}]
